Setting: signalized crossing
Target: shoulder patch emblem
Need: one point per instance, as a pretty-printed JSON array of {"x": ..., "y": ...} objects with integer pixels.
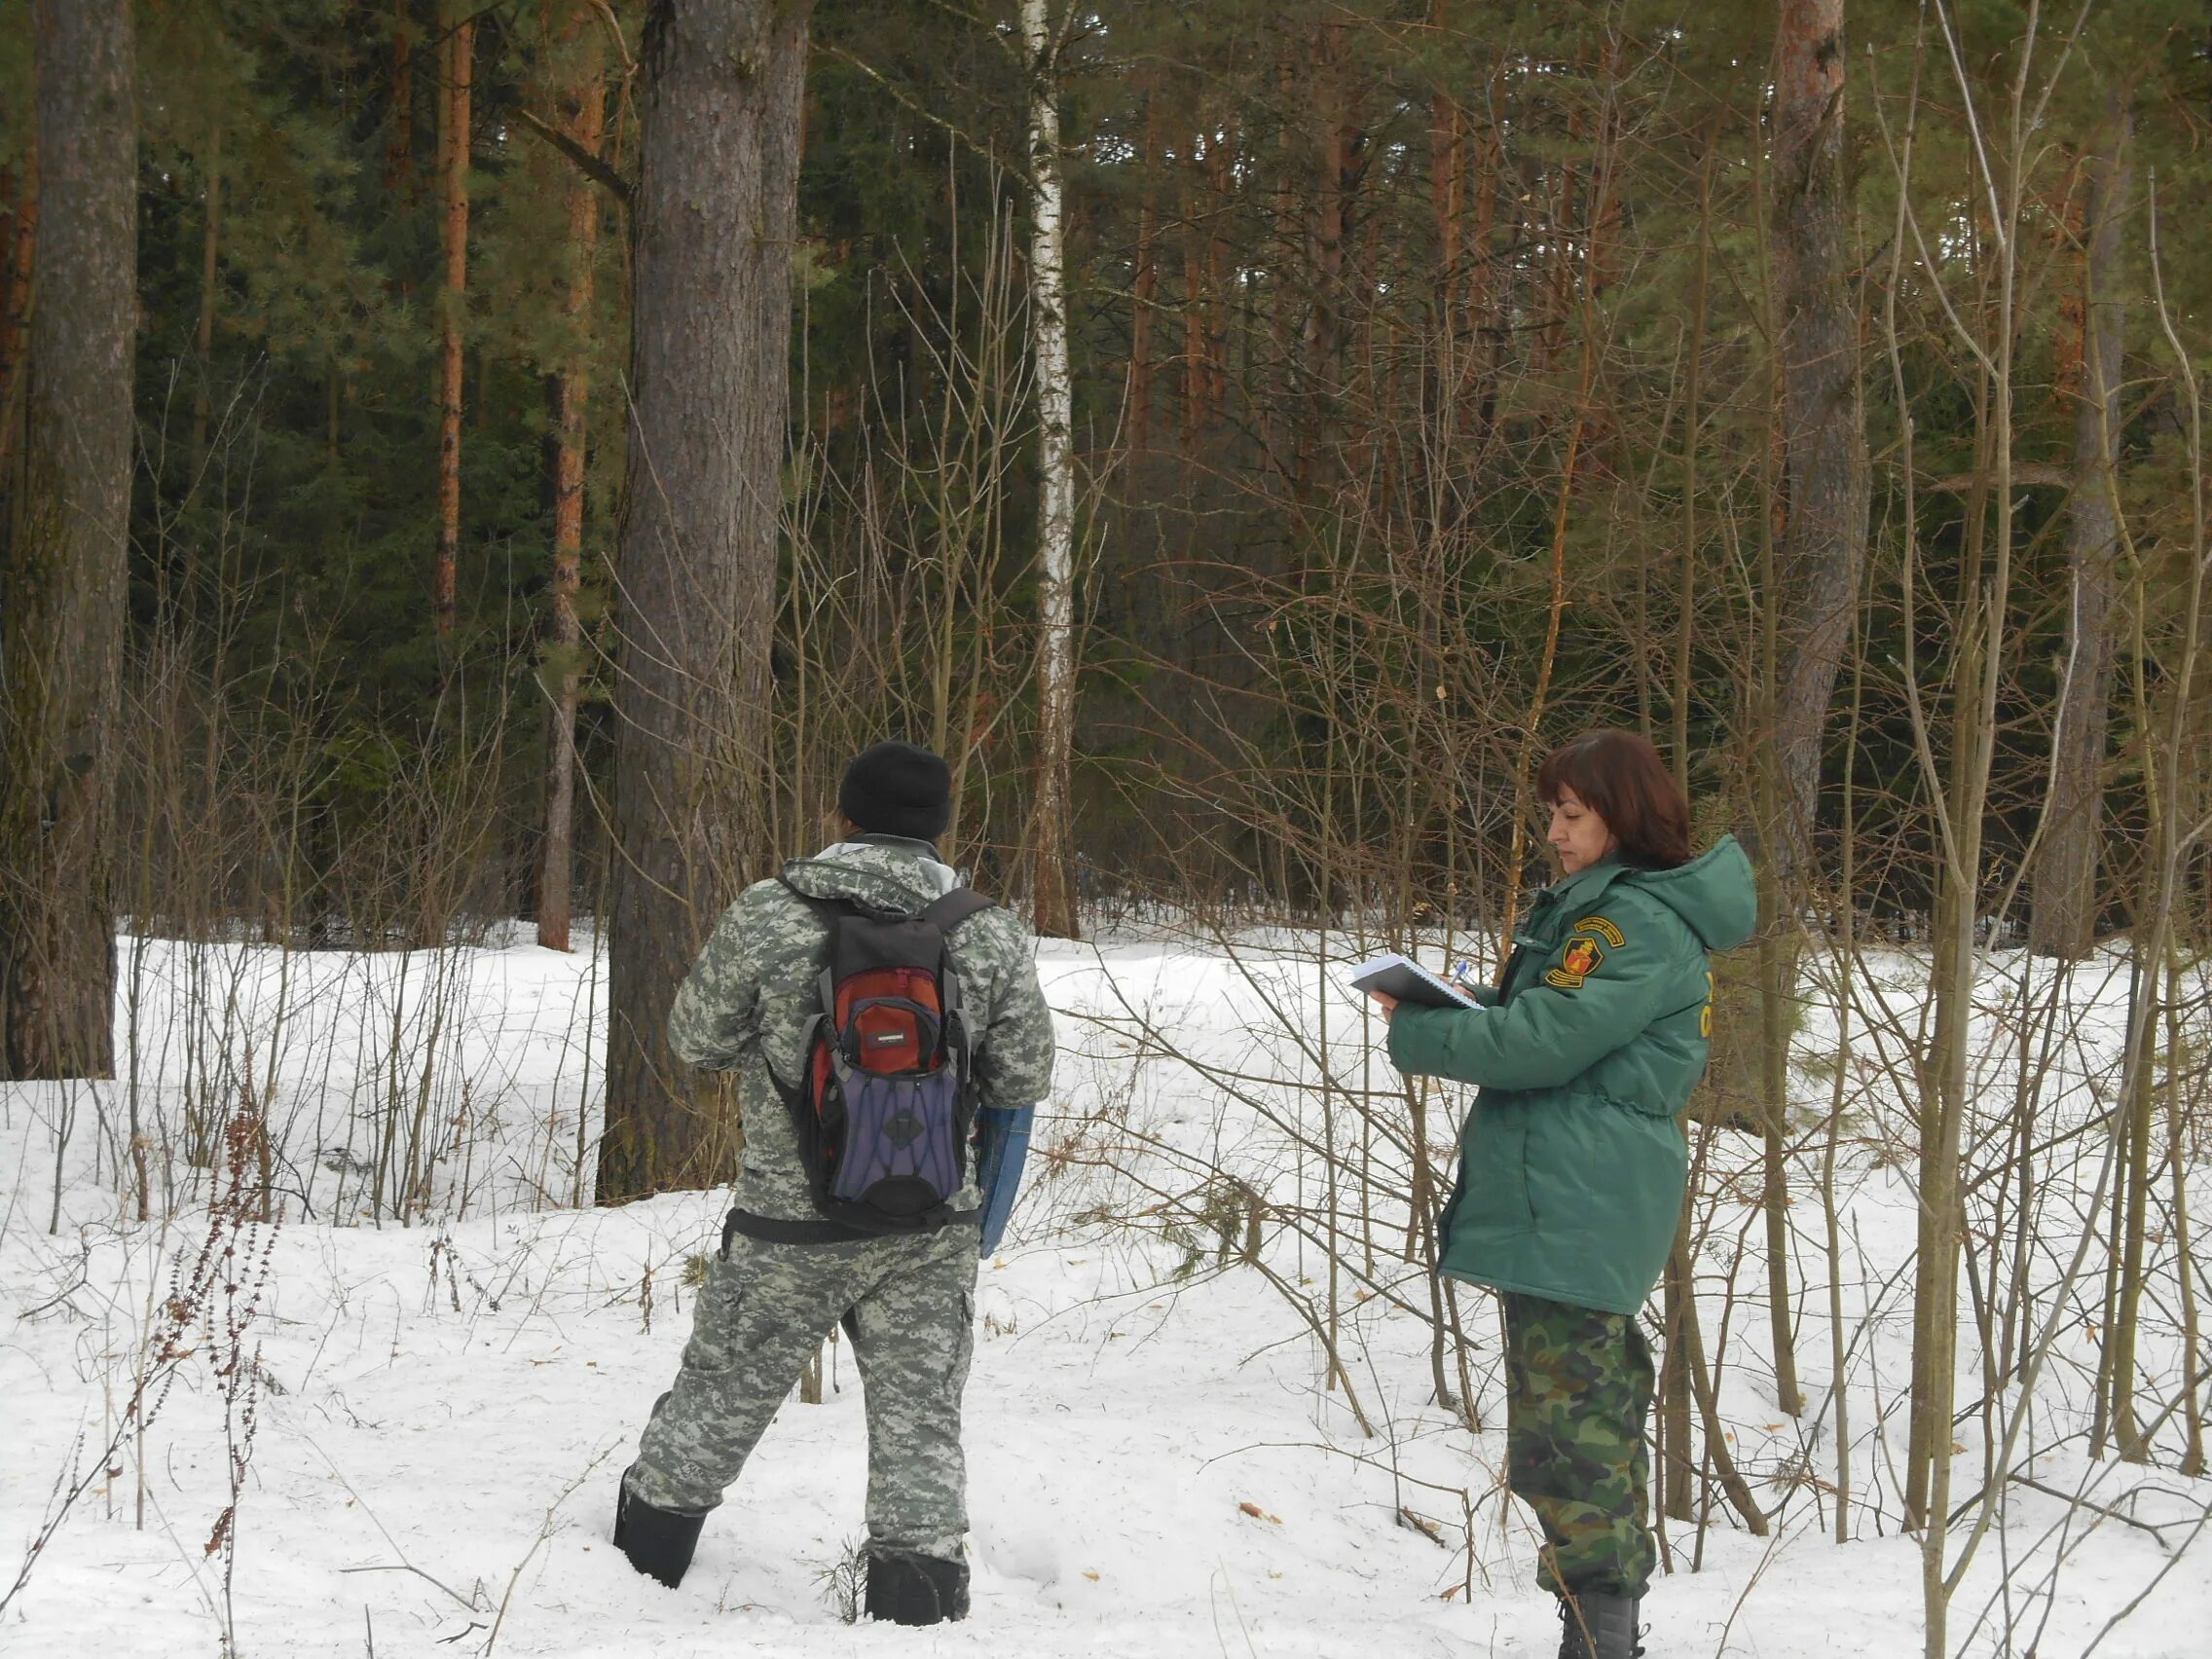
[
  {"x": 1582, "y": 958},
  {"x": 1603, "y": 929}
]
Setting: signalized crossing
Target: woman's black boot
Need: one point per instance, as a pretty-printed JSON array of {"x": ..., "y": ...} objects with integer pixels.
[
  {"x": 1598, "y": 1626},
  {"x": 909, "y": 1589},
  {"x": 658, "y": 1541}
]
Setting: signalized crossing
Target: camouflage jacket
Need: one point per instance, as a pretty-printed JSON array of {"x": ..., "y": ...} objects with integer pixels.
[{"x": 744, "y": 1006}]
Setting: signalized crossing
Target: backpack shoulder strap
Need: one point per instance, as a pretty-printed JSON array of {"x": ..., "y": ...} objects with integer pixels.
[{"x": 955, "y": 907}]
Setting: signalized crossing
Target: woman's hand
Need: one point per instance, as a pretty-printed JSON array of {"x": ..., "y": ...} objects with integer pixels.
[{"x": 1389, "y": 1003}]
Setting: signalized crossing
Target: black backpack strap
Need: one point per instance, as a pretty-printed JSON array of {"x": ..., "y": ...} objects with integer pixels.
[
  {"x": 946, "y": 915},
  {"x": 955, "y": 907}
]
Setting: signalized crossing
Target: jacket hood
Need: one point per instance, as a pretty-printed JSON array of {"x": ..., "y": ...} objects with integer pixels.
[
  {"x": 883, "y": 873},
  {"x": 1715, "y": 895}
]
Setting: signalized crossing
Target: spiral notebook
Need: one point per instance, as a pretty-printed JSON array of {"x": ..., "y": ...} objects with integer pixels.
[{"x": 1408, "y": 982}]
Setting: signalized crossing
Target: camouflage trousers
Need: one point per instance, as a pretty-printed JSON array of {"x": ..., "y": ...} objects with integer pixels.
[
  {"x": 764, "y": 1312},
  {"x": 1579, "y": 1388}
]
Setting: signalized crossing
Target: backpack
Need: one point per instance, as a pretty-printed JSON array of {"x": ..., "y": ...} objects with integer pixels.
[{"x": 885, "y": 1106}]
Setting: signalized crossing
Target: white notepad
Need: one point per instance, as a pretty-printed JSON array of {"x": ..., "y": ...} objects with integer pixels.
[{"x": 1408, "y": 982}]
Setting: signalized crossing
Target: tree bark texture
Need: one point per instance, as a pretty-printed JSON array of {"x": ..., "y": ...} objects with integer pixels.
[
  {"x": 1825, "y": 424},
  {"x": 1146, "y": 287},
  {"x": 459, "y": 59},
  {"x": 2064, "y": 915},
  {"x": 583, "y": 118},
  {"x": 714, "y": 217},
  {"x": 399, "y": 147},
  {"x": 1194, "y": 354},
  {"x": 19, "y": 246},
  {"x": 1335, "y": 186},
  {"x": 1447, "y": 168},
  {"x": 1051, "y": 834},
  {"x": 210, "y": 274},
  {"x": 62, "y": 592}
]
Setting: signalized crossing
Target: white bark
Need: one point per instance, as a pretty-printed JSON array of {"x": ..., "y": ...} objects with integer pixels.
[{"x": 1056, "y": 517}]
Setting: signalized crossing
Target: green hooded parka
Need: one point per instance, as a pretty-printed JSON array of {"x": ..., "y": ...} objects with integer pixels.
[{"x": 1573, "y": 1163}]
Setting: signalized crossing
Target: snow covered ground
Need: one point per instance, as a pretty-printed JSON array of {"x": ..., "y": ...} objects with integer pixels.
[{"x": 441, "y": 1363}]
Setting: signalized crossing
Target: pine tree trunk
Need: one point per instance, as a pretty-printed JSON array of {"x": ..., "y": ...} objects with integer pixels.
[
  {"x": 204, "y": 339},
  {"x": 1559, "y": 257},
  {"x": 1194, "y": 356},
  {"x": 1221, "y": 186},
  {"x": 1051, "y": 834},
  {"x": 1485, "y": 332},
  {"x": 1824, "y": 540},
  {"x": 1447, "y": 170},
  {"x": 2063, "y": 920},
  {"x": 584, "y": 112},
  {"x": 399, "y": 147},
  {"x": 1284, "y": 435},
  {"x": 1778, "y": 956},
  {"x": 1144, "y": 288},
  {"x": 454, "y": 153},
  {"x": 1331, "y": 217},
  {"x": 1694, "y": 432},
  {"x": 19, "y": 246},
  {"x": 62, "y": 592},
  {"x": 714, "y": 218},
  {"x": 1824, "y": 428}
]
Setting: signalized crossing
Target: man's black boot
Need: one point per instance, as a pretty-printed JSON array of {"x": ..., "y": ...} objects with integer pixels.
[
  {"x": 1596, "y": 1625},
  {"x": 909, "y": 1589},
  {"x": 658, "y": 1541}
]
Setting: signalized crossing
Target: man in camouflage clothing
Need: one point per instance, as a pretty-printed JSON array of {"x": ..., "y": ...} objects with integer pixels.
[{"x": 786, "y": 1274}]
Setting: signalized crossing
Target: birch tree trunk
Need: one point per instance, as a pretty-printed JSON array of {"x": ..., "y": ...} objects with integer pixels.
[
  {"x": 460, "y": 56},
  {"x": 1825, "y": 424},
  {"x": 2063, "y": 920},
  {"x": 1051, "y": 832},
  {"x": 584, "y": 117},
  {"x": 714, "y": 216},
  {"x": 62, "y": 591}
]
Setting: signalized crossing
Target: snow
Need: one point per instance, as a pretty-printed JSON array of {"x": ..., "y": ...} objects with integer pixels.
[{"x": 454, "y": 1361}]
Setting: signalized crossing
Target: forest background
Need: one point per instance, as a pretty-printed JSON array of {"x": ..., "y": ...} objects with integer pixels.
[{"x": 1441, "y": 380}]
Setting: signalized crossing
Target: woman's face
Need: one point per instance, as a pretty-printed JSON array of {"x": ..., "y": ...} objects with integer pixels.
[{"x": 1578, "y": 834}]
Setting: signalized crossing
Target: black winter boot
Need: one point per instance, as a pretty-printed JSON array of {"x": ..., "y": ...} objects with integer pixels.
[
  {"x": 658, "y": 1541},
  {"x": 909, "y": 1589},
  {"x": 1594, "y": 1625}
]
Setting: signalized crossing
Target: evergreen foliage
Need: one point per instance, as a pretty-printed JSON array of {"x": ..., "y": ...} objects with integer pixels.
[{"x": 1351, "y": 284}]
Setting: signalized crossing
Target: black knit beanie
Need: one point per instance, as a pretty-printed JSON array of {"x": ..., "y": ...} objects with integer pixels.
[{"x": 895, "y": 789}]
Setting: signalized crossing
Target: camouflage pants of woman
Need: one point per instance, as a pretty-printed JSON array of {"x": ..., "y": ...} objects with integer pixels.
[
  {"x": 764, "y": 1312},
  {"x": 1579, "y": 1388}
]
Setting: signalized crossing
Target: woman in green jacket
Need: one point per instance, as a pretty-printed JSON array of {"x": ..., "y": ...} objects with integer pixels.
[{"x": 1573, "y": 1163}]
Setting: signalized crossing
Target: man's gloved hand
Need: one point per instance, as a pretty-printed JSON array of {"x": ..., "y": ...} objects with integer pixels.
[{"x": 1002, "y": 1144}]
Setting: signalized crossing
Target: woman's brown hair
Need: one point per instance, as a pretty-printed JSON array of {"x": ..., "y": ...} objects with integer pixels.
[{"x": 1620, "y": 777}]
